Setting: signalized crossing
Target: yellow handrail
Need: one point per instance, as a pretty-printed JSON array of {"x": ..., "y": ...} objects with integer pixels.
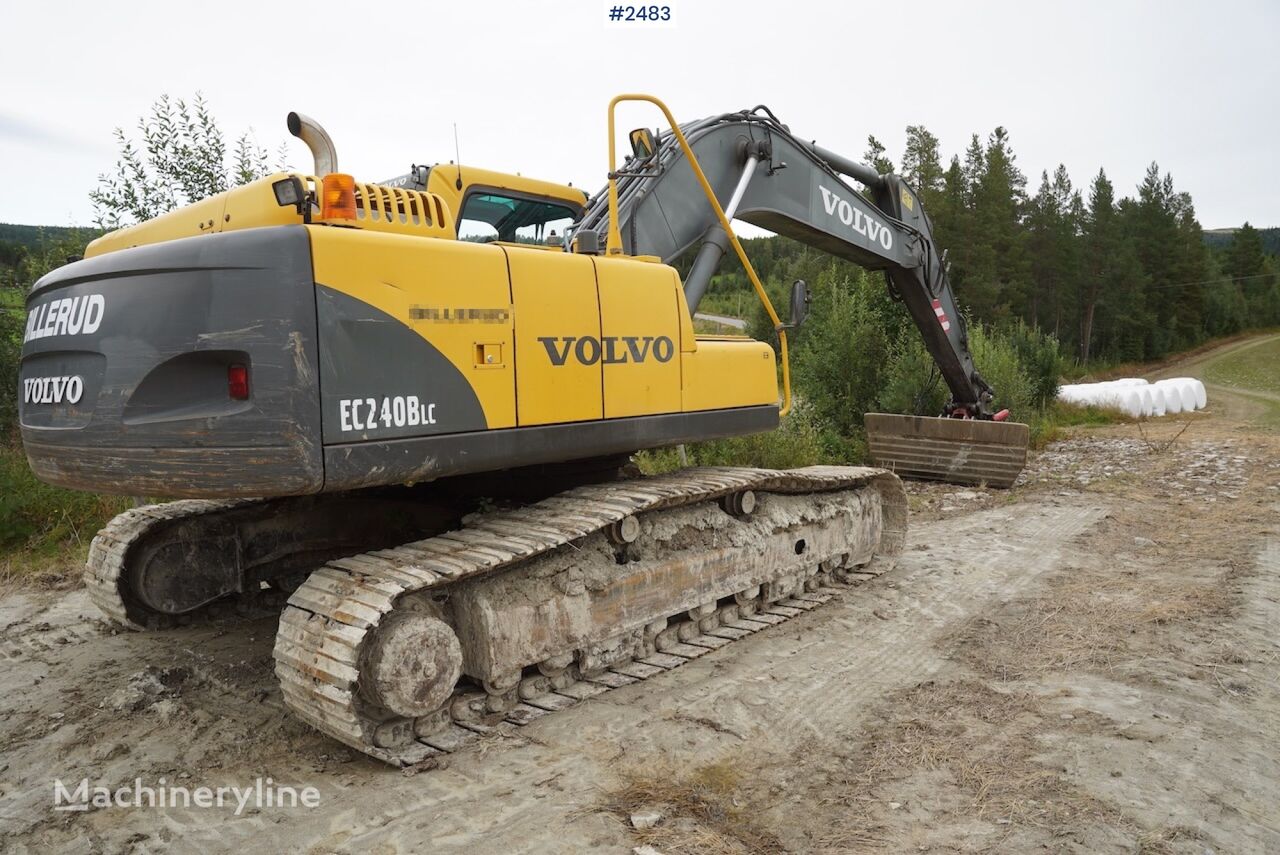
[{"x": 613, "y": 243}]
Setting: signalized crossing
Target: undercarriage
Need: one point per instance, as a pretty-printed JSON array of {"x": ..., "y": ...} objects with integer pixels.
[{"x": 459, "y": 624}]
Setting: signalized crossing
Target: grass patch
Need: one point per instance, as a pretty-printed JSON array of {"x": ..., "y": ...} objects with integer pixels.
[
  {"x": 45, "y": 531},
  {"x": 1255, "y": 373},
  {"x": 1087, "y": 621},
  {"x": 1254, "y": 369},
  {"x": 1051, "y": 423},
  {"x": 1084, "y": 623},
  {"x": 959, "y": 751},
  {"x": 700, "y": 808},
  {"x": 797, "y": 442}
]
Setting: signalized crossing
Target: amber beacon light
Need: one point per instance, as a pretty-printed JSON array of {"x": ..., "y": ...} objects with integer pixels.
[{"x": 338, "y": 197}]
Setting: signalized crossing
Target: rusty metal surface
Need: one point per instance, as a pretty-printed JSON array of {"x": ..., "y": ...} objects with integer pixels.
[{"x": 959, "y": 451}]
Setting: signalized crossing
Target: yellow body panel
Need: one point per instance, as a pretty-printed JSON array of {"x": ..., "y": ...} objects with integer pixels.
[
  {"x": 640, "y": 337},
  {"x": 567, "y": 338},
  {"x": 253, "y": 205},
  {"x": 453, "y": 293},
  {"x": 688, "y": 340},
  {"x": 729, "y": 373},
  {"x": 202, "y": 218},
  {"x": 557, "y": 320}
]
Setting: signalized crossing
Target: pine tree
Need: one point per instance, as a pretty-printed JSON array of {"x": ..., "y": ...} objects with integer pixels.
[
  {"x": 1190, "y": 271},
  {"x": 975, "y": 157},
  {"x": 998, "y": 201},
  {"x": 1111, "y": 284},
  {"x": 876, "y": 157},
  {"x": 1053, "y": 226},
  {"x": 922, "y": 165},
  {"x": 1246, "y": 263}
]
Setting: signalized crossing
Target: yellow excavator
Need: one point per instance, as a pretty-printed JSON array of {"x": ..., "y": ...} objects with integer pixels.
[{"x": 409, "y": 407}]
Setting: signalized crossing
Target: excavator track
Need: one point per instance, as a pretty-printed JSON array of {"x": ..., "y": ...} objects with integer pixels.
[
  {"x": 191, "y": 560},
  {"x": 411, "y": 652},
  {"x": 106, "y": 571}
]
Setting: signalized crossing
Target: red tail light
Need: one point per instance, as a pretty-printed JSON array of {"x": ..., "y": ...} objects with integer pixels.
[{"x": 238, "y": 382}]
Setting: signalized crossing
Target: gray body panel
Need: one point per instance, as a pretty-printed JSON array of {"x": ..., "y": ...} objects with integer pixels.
[
  {"x": 366, "y": 464},
  {"x": 154, "y": 412},
  {"x": 371, "y": 364}
]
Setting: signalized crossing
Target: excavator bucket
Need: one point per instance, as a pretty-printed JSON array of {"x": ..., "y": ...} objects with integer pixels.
[{"x": 959, "y": 451}]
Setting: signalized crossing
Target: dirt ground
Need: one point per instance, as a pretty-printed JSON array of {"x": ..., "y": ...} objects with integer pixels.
[{"x": 1086, "y": 663}]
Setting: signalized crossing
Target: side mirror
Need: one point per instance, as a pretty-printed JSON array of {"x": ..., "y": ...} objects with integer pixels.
[
  {"x": 643, "y": 144},
  {"x": 799, "y": 303}
]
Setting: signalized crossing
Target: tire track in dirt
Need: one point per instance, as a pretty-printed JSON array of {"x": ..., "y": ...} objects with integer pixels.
[
  {"x": 859, "y": 655},
  {"x": 53, "y": 626}
]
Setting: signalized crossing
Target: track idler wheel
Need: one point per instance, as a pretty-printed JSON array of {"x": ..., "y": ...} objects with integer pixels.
[{"x": 413, "y": 664}]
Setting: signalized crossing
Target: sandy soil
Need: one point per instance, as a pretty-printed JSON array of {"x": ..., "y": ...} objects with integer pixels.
[{"x": 1087, "y": 663}]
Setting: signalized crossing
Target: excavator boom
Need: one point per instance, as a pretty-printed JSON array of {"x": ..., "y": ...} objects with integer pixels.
[{"x": 795, "y": 188}]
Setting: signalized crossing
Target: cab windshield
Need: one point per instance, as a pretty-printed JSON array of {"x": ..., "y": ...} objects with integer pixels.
[{"x": 488, "y": 216}]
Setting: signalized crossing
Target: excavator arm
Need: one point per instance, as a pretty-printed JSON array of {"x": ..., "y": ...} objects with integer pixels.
[{"x": 763, "y": 174}]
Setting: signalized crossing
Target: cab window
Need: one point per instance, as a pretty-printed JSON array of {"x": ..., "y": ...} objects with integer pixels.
[{"x": 490, "y": 215}]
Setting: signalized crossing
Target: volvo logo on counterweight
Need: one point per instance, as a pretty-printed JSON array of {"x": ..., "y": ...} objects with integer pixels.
[
  {"x": 611, "y": 349},
  {"x": 52, "y": 390}
]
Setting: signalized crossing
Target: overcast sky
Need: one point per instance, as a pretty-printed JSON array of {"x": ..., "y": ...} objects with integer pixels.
[{"x": 1194, "y": 86}]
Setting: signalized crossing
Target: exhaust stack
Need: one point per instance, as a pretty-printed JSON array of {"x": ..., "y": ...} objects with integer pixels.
[{"x": 317, "y": 139}]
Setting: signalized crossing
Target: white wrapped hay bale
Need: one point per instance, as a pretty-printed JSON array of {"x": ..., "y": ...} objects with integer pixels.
[
  {"x": 1157, "y": 402},
  {"x": 1197, "y": 389},
  {"x": 1148, "y": 400},
  {"x": 1172, "y": 398},
  {"x": 1183, "y": 390},
  {"x": 1137, "y": 398}
]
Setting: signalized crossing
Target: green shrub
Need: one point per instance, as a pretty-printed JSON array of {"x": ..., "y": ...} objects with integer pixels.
[
  {"x": 912, "y": 382},
  {"x": 796, "y": 442},
  {"x": 914, "y": 385},
  {"x": 41, "y": 520},
  {"x": 1050, "y": 422},
  {"x": 1040, "y": 357},
  {"x": 1002, "y": 368},
  {"x": 12, "y": 322},
  {"x": 839, "y": 361}
]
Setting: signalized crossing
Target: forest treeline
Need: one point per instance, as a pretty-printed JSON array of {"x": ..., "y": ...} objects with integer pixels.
[{"x": 1112, "y": 276}]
